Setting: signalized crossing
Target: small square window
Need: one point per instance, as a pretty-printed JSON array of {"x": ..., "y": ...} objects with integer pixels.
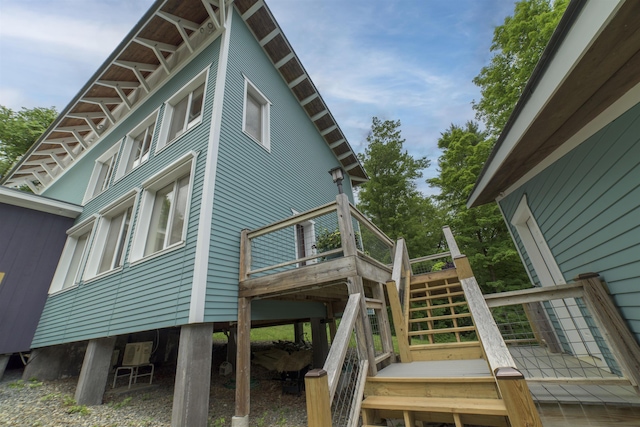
[
  {"x": 103, "y": 171},
  {"x": 256, "y": 115}
]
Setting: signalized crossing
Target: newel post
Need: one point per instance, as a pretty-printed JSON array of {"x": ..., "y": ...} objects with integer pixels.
[
  {"x": 316, "y": 384},
  {"x": 345, "y": 225}
]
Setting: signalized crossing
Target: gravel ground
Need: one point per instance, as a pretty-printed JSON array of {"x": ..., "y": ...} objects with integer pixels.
[{"x": 50, "y": 403}]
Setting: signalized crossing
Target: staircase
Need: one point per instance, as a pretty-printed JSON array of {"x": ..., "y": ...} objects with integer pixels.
[{"x": 454, "y": 367}]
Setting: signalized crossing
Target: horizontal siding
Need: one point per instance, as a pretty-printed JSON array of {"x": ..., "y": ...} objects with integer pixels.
[
  {"x": 154, "y": 293},
  {"x": 587, "y": 205},
  {"x": 255, "y": 187}
]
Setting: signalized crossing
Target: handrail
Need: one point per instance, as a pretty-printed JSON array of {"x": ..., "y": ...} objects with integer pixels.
[
  {"x": 524, "y": 296},
  {"x": 296, "y": 261},
  {"x": 451, "y": 241},
  {"x": 293, "y": 220},
  {"x": 335, "y": 358},
  {"x": 370, "y": 225},
  {"x": 430, "y": 257}
]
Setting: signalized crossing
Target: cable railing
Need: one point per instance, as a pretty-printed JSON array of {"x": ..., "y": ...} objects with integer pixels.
[{"x": 567, "y": 334}]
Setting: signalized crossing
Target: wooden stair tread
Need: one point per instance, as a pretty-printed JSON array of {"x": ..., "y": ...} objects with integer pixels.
[
  {"x": 437, "y": 404},
  {"x": 433, "y": 276}
]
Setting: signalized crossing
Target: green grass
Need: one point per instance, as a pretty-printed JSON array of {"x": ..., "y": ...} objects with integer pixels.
[{"x": 271, "y": 333}]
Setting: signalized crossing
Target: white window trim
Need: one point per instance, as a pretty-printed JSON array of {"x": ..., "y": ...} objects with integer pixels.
[
  {"x": 95, "y": 253},
  {"x": 162, "y": 142},
  {"x": 127, "y": 146},
  {"x": 549, "y": 274},
  {"x": 309, "y": 241},
  {"x": 266, "y": 114},
  {"x": 180, "y": 167},
  {"x": 88, "y": 225},
  {"x": 90, "y": 191}
]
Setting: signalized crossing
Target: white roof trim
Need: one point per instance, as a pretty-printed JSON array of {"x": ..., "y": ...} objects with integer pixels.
[{"x": 38, "y": 203}]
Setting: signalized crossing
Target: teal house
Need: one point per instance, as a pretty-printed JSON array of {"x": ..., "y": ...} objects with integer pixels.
[
  {"x": 565, "y": 171},
  {"x": 201, "y": 123}
]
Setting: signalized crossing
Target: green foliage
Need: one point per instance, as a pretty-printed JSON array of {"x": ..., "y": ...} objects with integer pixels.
[
  {"x": 328, "y": 240},
  {"x": 68, "y": 401},
  {"x": 390, "y": 198},
  {"x": 79, "y": 409},
  {"x": 218, "y": 422},
  {"x": 19, "y": 130},
  {"x": 124, "y": 402},
  {"x": 518, "y": 44},
  {"x": 480, "y": 232},
  {"x": 16, "y": 384}
]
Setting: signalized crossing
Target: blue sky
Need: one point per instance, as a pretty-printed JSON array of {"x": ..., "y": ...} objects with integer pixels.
[{"x": 411, "y": 60}]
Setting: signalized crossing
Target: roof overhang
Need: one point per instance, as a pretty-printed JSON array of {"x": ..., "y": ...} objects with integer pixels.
[
  {"x": 588, "y": 71},
  {"x": 162, "y": 42},
  {"x": 22, "y": 199}
]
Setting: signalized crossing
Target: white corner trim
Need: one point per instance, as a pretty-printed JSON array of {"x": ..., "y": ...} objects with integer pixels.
[
  {"x": 203, "y": 244},
  {"x": 591, "y": 21}
]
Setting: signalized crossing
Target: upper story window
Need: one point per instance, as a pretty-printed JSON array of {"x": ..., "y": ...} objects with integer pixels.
[
  {"x": 111, "y": 237},
  {"x": 256, "y": 115},
  {"x": 164, "y": 210},
  {"x": 137, "y": 146},
  {"x": 103, "y": 171},
  {"x": 183, "y": 111},
  {"x": 73, "y": 256}
]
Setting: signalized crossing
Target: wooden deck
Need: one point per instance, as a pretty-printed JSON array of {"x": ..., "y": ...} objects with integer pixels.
[{"x": 437, "y": 369}]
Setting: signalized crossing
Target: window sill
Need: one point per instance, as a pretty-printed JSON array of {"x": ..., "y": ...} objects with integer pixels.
[
  {"x": 101, "y": 275},
  {"x": 254, "y": 139},
  {"x": 62, "y": 291},
  {"x": 161, "y": 252},
  {"x": 177, "y": 138}
]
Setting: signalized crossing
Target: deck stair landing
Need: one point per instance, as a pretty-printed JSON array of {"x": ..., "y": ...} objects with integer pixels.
[{"x": 455, "y": 367}]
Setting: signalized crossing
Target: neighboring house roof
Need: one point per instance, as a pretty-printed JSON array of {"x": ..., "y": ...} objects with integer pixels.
[
  {"x": 167, "y": 36},
  {"x": 587, "y": 76},
  {"x": 13, "y": 197}
]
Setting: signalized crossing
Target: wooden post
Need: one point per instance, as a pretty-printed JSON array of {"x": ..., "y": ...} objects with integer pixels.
[
  {"x": 345, "y": 225},
  {"x": 363, "y": 326},
  {"x": 517, "y": 398},
  {"x": 541, "y": 326},
  {"x": 243, "y": 364},
  {"x": 383, "y": 322},
  {"x": 614, "y": 330},
  {"x": 318, "y": 405},
  {"x": 232, "y": 345},
  {"x": 319, "y": 342},
  {"x": 298, "y": 332},
  {"x": 399, "y": 322},
  {"x": 332, "y": 321},
  {"x": 245, "y": 255}
]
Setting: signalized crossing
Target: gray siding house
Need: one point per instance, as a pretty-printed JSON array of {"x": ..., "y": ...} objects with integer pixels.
[
  {"x": 33, "y": 231},
  {"x": 200, "y": 124},
  {"x": 565, "y": 171}
]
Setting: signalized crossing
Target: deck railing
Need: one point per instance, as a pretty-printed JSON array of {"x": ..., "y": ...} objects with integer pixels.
[
  {"x": 567, "y": 334},
  {"x": 334, "y": 393},
  {"x": 318, "y": 235}
]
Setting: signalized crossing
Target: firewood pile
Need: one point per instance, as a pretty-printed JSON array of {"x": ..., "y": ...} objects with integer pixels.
[{"x": 284, "y": 356}]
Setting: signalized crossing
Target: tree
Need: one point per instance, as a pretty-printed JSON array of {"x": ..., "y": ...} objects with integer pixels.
[
  {"x": 480, "y": 232},
  {"x": 390, "y": 198},
  {"x": 518, "y": 43},
  {"x": 19, "y": 130}
]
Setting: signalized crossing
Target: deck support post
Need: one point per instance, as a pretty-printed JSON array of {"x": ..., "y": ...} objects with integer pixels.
[
  {"x": 298, "y": 332},
  {"x": 4, "y": 360},
  {"x": 384, "y": 324},
  {"x": 95, "y": 371},
  {"x": 232, "y": 345},
  {"x": 517, "y": 398},
  {"x": 363, "y": 326},
  {"x": 193, "y": 376},
  {"x": 243, "y": 364},
  {"x": 319, "y": 342}
]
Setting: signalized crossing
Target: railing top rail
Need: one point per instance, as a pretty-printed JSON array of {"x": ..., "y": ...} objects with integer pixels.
[
  {"x": 430, "y": 257},
  {"x": 293, "y": 220},
  {"x": 364, "y": 220},
  {"x": 451, "y": 241},
  {"x": 546, "y": 293}
]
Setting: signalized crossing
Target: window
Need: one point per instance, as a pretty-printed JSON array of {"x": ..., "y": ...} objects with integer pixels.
[
  {"x": 72, "y": 258},
  {"x": 112, "y": 234},
  {"x": 164, "y": 209},
  {"x": 255, "y": 119},
  {"x": 137, "y": 146},
  {"x": 102, "y": 173},
  {"x": 168, "y": 216},
  {"x": 183, "y": 111},
  {"x": 305, "y": 240}
]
